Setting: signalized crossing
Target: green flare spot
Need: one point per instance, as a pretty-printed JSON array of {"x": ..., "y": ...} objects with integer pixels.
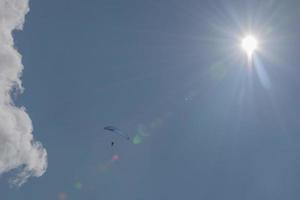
[
  {"x": 137, "y": 139},
  {"x": 78, "y": 185}
]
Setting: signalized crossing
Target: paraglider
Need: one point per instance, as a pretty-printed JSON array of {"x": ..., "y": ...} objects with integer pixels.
[{"x": 117, "y": 131}]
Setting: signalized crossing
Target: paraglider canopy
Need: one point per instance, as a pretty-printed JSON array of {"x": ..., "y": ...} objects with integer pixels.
[{"x": 117, "y": 131}]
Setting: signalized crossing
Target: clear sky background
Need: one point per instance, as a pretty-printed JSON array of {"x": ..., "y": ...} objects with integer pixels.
[{"x": 170, "y": 73}]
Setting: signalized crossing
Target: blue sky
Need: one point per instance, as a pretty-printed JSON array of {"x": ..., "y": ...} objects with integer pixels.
[{"x": 172, "y": 73}]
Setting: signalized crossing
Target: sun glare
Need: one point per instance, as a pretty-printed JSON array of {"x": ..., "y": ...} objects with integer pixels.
[{"x": 249, "y": 44}]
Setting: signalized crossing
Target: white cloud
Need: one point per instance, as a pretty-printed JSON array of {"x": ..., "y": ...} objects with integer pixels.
[{"x": 18, "y": 150}]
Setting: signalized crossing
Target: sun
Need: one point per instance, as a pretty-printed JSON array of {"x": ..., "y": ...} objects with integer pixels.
[{"x": 249, "y": 45}]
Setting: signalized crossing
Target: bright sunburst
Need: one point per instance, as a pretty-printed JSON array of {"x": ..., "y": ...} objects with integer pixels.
[{"x": 249, "y": 44}]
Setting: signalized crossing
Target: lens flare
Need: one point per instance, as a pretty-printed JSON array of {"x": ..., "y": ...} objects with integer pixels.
[
  {"x": 137, "y": 139},
  {"x": 249, "y": 44},
  {"x": 106, "y": 166},
  {"x": 62, "y": 196},
  {"x": 115, "y": 157},
  {"x": 78, "y": 185}
]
